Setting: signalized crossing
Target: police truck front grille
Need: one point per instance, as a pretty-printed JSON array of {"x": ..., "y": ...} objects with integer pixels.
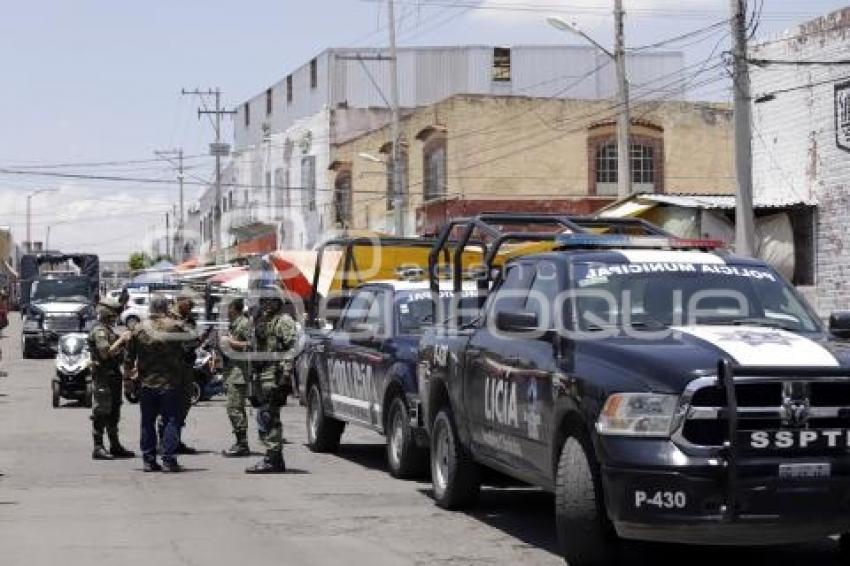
[
  {"x": 62, "y": 323},
  {"x": 762, "y": 406}
]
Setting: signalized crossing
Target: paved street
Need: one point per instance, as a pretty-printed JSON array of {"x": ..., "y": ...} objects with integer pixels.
[{"x": 58, "y": 506}]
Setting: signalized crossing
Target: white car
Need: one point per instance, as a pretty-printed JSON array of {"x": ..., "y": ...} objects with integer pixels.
[{"x": 136, "y": 310}]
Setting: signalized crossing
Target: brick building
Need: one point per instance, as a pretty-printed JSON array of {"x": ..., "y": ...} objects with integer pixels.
[
  {"x": 801, "y": 146},
  {"x": 473, "y": 153}
]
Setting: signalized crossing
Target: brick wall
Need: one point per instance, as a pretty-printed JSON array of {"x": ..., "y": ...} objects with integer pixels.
[{"x": 795, "y": 154}]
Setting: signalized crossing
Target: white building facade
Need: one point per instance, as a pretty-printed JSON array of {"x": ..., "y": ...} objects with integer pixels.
[
  {"x": 801, "y": 146},
  {"x": 277, "y": 182}
]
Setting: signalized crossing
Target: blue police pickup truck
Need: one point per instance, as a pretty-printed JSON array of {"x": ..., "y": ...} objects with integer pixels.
[
  {"x": 363, "y": 371},
  {"x": 662, "y": 390}
]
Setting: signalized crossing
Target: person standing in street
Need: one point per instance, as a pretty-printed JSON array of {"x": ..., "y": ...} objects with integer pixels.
[
  {"x": 236, "y": 375},
  {"x": 275, "y": 338},
  {"x": 182, "y": 312},
  {"x": 107, "y": 348},
  {"x": 156, "y": 349}
]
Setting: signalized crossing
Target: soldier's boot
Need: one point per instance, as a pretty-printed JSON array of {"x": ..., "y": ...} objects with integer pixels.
[
  {"x": 272, "y": 464},
  {"x": 239, "y": 449},
  {"x": 115, "y": 448},
  {"x": 99, "y": 452}
]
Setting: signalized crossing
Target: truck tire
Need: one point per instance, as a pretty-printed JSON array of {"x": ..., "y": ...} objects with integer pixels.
[
  {"x": 131, "y": 322},
  {"x": 406, "y": 460},
  {"x": 323, "y": 432},
  {"x": 56, "y": 394},
  {"x": 586, "y": 535},
  {"x": 26, "y": 350},
  {"x": 196, "y": 393},
  {"x": 454, "y": 475}
]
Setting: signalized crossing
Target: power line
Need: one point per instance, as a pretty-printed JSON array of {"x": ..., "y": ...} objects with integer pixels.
[{"x": 101, "y": 163}]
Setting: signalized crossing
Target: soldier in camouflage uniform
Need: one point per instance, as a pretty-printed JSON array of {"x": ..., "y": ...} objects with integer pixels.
[
  {"x": 236, "y": 375},
  {"x": 275, "y": 338},
  {"x": 182, "y": 311},
  {"x": 107, "y": 348},
  {"x": 156, "y": 350}
]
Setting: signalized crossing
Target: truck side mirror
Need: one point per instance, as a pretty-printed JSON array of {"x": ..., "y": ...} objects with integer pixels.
[
  {"x": 517, "y": 321},
  {"x": 839, "y": 324}
]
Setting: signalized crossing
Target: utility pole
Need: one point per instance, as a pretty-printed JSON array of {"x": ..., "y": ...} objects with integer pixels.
[
  {"x": 217, "y": 149},
  {"x": 167, "y": 237},
  {"x": 398, "y": 200},
  {"x": 179, "y": 224},
  {"x": 744, "y": 217},
  {"x": 624, "y": 146}
]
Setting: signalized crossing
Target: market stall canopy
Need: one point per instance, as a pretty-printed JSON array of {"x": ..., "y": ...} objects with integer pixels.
[
  {"x": 188, "y": 264},
  {"x": 153, "y": 278},
  {"x": 296, "y": 269},
  {"x": 162, "y": 265},
  {"x": 227, "y": 275}
]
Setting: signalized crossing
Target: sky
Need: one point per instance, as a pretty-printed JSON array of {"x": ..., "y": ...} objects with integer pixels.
[{"x": 89, "y": 82}]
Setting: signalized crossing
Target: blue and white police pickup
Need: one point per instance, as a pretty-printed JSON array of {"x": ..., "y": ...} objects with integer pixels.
[
  {"x": 363, "y": 371},
  {"x": 663, "y": 391}
]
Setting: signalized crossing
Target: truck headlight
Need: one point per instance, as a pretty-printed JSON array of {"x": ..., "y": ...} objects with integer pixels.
[{"x": 638, "y": 414}]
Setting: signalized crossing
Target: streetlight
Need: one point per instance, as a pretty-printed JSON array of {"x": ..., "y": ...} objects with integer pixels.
[
  {"x": 624, "y": 169},
  {"x": 29, "y": 214}
]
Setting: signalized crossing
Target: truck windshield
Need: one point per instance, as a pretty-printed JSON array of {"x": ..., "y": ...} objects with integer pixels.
[
  {"x": 72, "y": 289},
  {"x": 660, "y": 295}
]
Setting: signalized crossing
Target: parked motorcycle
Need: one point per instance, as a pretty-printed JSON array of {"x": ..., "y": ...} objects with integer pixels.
[
  {"x": 73, "y": 378},
  {"x": 208, "y": 375}
]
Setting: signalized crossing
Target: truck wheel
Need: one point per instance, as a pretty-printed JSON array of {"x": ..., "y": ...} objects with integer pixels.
[
  {"x": 196, "y": 393},
  {"x": 131, "y": 322},
  {"x": 56, "y": 394},
  {"x": 88, "y": 396},
  {"x": 26, "y": 350},
  {"x": 454, "y": 475},
  {"x": 585, "y": 534},
  {"x": 323, "y": 432},
  {"x": 405, "y": 458}
]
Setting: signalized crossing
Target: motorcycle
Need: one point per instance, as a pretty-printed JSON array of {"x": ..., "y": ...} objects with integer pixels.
[
  {"x": 73, "y": 378},
  {"x": 208, "y": 375}
]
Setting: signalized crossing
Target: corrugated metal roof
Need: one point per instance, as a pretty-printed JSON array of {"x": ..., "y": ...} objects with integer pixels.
[{"x": 715, "y": 201}]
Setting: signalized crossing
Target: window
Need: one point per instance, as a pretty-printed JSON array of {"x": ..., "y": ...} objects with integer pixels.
[
  {"x": 247, "y": 114},
  {"x": 268, "y": 186},
  {"x": 230, "y": 200},
  {"x": 268, "y": 102},
  {"x": 358, "y": 309},
  {"x": 289, "y": 89},
  {"x": 512, "y": 294},
  {"x": 308, "y": 180},
  {"x": 342, "y": 199},
  {"x": 403, "y": 170},
  {"x": 545, "y": 289},
  {"x": 435, "y": 168},
  {"x": 502, "y": 64},
  {"x": 645, "y": 160},
  {"x": 314, "y": 73}
]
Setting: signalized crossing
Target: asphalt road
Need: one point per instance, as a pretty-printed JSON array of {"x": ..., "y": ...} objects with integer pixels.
[{"x": 57, "y": 506}]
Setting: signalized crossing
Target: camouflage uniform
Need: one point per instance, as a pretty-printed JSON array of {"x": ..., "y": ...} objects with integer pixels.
[
  {"x": 236, "y": 375},
  {"x": 275, "y": 335},
  {"x": 157, "y": 348},
  {"x": 187, "y": 373},
  {"x": 107, "y": 384}
]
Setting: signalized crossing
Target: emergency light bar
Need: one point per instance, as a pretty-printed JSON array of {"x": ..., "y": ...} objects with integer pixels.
[{"x": 590, "y": 241}]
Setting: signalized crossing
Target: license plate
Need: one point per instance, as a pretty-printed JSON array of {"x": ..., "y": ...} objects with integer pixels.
[{"x": 804, "y": 471}]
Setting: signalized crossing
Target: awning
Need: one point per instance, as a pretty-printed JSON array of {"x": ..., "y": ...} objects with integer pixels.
[
  {"x": 227, "y": 275},
  {"x": 296, "y": 269},
  {"x": 188, "y": 264},
  {"x": 626, "y": 209}
]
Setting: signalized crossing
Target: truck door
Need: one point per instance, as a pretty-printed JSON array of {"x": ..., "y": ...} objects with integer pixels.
[
  {"x": 492, "y": 390},
  {"x": 355, "y": 357}
]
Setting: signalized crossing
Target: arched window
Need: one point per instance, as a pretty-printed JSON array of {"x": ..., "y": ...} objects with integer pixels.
[
  {"x": 342, "y": 199},
  {"x": 647, "y": 159},
  {"x": 435, "y": 167}
]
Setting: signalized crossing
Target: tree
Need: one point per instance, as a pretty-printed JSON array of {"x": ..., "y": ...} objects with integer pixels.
[{"x": 139, "y": 260}]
